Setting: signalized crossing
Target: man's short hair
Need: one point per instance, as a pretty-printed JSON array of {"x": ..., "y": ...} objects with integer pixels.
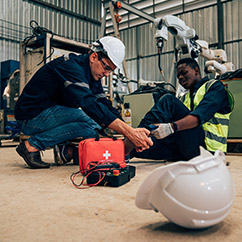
[{"x": 189, "y": 62}]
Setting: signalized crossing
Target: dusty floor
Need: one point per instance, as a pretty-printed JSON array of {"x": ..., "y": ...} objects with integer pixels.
[{"x": 43, "y": 205}]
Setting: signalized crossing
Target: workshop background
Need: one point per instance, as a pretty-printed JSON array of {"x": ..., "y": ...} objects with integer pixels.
[{"x": 215, "y": 21}]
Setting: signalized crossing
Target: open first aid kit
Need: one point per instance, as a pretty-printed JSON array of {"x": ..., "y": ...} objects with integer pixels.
[{"x": 102, "y": 162}]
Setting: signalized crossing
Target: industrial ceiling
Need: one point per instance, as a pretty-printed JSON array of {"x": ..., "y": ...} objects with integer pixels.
[{"x": 155, "y": 8}]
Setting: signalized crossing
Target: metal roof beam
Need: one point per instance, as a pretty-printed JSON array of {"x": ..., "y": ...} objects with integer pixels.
[
  {"x": 65, "y": 11},
  {"x": 133, "y": 10}
]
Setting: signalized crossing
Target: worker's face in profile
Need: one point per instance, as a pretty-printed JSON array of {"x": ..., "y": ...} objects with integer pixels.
[
  {"x": 100, "y": 67},
  {"x": 187, "y": 76}
]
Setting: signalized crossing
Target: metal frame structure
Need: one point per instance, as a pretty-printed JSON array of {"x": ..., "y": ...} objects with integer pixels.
[
  {"x": 38, "y": 51},
  {"x": 109, "y": 6}
]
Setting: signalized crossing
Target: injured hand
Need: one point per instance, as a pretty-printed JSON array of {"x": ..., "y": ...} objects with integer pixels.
[{"x": 162, "y": 130}]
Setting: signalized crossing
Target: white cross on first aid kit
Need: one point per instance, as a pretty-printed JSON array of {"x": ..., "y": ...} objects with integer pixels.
[{"x": 106, "y": 154}]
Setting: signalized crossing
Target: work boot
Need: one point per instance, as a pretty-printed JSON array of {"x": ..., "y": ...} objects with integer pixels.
[
  {"x": 33, "y": 159},
  {"x": 61, "y": 155}
]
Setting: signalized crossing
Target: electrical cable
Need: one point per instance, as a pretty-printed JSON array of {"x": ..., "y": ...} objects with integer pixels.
[
  {"x": 37, "y": 31},
  {"x": 92, "y": 167}
]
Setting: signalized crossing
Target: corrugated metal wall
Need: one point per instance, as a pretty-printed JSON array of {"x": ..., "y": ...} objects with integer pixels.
[
  {"x": 69, "y": 21},
  {"x": 141, "y": 48},
  {"x": 141, "y": 54},
  {"x": 233, "y": 32}
]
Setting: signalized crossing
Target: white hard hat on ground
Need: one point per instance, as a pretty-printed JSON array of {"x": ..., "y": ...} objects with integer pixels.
[
  {"x": 194, "y": 194},
  {"x": 112, "y": 47}
]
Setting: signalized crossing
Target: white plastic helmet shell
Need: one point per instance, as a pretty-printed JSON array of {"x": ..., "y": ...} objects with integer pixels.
[
  {"x": 113, "y": 48},
  {"x": 194, "y": 194}
]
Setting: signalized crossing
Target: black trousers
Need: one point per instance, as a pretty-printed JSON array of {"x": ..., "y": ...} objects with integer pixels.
[{"x": 179, "y": 146}]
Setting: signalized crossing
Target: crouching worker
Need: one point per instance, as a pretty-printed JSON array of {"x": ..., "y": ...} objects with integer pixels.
[
  {"x": 65, "y": 100},
  {"x": 201, "y": 118}
]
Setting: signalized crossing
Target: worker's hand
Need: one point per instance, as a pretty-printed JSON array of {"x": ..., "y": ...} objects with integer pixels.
[
  {"x": 163, "y": 130},
  {"x": 128, "y": 146},
  {"x": 139, "y": 138}
]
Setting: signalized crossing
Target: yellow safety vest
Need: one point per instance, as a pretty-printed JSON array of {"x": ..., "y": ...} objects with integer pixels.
[{"x": 216, "y": 129}]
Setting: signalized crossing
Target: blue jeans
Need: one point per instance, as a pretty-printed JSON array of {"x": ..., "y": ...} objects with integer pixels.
[
  {"x": 58, "y": 124},
  {"x": 182, "y": 145}
]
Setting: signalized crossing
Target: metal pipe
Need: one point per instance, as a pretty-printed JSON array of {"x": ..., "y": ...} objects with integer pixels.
[
  {"x": 65, "y": 11},
  {"x": 136, "y": 11},
  {"x": 138, "y": 54},
  {"x": 220, "y": 25}
]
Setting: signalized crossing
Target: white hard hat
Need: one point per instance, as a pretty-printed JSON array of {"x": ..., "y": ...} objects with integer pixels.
[
  {"x": 112, "y": 47},
  {"x": 194, "y": 194}
]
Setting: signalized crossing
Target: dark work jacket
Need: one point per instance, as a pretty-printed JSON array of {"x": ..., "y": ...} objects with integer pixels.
[{"x": 66, "y": 81}]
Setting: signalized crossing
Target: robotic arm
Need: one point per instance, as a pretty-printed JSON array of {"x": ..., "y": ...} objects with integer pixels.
[
  {"x": 217, "y": 59},
  {"x": 185, "y": 35},
  {"x": 188, "y": 45}
]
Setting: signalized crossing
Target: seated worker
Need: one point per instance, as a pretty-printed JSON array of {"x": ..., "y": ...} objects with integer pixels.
[
  {"x": 65, "y": 100},
  {"x": 201, "y": 118}
]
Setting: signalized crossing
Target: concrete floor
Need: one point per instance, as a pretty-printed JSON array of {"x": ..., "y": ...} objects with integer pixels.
[{"x": 43, "y": 205}]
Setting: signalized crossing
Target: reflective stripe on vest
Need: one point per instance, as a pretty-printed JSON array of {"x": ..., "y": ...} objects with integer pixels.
[{"x": 216, "y": 129}]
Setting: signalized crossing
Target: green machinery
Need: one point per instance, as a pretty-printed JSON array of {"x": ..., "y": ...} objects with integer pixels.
[
  {"x": 235, "y": 123},
  {"x": 139, "y": 104}
]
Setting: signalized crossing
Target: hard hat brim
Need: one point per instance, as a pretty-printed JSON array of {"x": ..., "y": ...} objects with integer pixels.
[{"x": 145, "y": 190}]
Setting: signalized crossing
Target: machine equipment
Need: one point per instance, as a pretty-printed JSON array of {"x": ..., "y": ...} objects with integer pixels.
[
  {"x": 9, "y": 77},
  {"x": 188, "y": 44},
  {"x": 42, "y": 47}
]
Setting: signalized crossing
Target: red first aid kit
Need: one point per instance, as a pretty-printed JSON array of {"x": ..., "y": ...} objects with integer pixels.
[{"x": 102, "y": 151}]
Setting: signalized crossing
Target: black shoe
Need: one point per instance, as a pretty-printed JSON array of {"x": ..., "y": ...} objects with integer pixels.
[
  {"x": 60, "y": 154},
  {"x": 33, "y": 159}
]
